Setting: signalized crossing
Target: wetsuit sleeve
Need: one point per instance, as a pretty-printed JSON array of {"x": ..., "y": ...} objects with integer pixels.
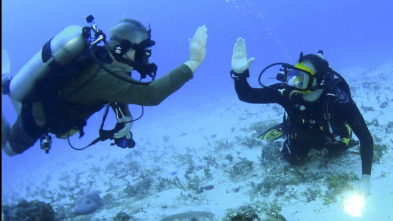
[
  {"x": 358, "y": 125},
  {"x": 155, "y": 92},
  {"x": 104, "y": 87},
  {"x": 254, "y": 95}
]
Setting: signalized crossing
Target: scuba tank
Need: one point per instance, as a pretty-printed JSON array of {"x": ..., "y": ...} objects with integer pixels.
[{"x": 58, "y": 51}]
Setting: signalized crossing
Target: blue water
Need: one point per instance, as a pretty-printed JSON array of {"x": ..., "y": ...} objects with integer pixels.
[{"x": 351, "y": 32}]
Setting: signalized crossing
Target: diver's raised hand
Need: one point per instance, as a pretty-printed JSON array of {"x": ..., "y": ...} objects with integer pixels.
[
  {"x": 197, "y": 48},
  {"x": 239, "y": 57}
]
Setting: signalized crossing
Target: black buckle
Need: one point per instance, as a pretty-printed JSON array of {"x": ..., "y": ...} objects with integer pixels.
[{"x": 236, "y": 76}]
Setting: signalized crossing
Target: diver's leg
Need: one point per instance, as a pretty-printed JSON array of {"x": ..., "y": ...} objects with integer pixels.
[
  {"x": 5, "y": 89},
  {"x": 337, "y": 149},
  {"x": 5, "y": 135},
  {"x": 294, "y": 152},
  {"x": 15, "y": 139},
  {"x": 5, "y": 130}
]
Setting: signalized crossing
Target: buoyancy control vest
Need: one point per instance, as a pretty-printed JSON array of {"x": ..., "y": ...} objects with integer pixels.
[{"x": 61, "y": 114}]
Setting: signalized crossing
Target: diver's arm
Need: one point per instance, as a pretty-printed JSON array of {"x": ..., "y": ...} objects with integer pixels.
[
  {"x": 359, "y": 127},
  {"x": 255, "y": 95},
  {"x": 105, "y": 87},
  {"x": 149, "y": 94},
  {"x": 161, "y": 88}
]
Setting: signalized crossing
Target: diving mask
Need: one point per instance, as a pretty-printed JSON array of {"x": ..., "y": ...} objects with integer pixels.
[
  {"x": 297, "y": 76},
  {"x": 142, "y": 55},
  {"x": 299, "y": 79}
]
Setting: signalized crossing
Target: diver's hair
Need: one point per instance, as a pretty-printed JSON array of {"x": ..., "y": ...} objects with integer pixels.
[
  {"x": 320, "y": 64},
  {"x": 128, "y": 29}
]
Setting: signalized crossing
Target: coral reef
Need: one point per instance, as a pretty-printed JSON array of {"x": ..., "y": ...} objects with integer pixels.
[
  {"x": 257, "y": 212},
  {"x": 32, "y": 210},
  {"x": 122, "y": 216}
]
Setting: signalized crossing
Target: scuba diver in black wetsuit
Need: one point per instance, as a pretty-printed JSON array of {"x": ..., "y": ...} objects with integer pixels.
[{"x": 320, "y": 112}]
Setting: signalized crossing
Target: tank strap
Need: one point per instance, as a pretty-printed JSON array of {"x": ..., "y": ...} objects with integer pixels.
[{"x": 46, "y": 55}]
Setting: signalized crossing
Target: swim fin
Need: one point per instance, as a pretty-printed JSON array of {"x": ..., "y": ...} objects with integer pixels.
[
  {"x": 6, "y": 71},
  {"x": 273, "y": 133}
]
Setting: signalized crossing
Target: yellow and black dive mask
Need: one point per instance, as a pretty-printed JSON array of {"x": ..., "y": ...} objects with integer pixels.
[{"x": 298, "y": 76}]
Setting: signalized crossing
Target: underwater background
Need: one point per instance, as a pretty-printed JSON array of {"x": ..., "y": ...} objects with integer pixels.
[{"x": 352, "y": 33}]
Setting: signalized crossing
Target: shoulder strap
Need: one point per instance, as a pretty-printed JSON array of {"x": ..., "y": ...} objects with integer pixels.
[{"x": 328, "y": 102}]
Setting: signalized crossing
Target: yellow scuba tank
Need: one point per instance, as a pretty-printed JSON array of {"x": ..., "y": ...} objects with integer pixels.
[{"x": 60, "y": 50}]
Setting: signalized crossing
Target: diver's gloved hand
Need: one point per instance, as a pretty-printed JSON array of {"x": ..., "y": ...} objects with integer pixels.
[
  {"x": 365, "y": 185},
  {"x": 239, "y": 57},
  {"x": 197, "y": 48},
  {"x": 125, "y": 130}
]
